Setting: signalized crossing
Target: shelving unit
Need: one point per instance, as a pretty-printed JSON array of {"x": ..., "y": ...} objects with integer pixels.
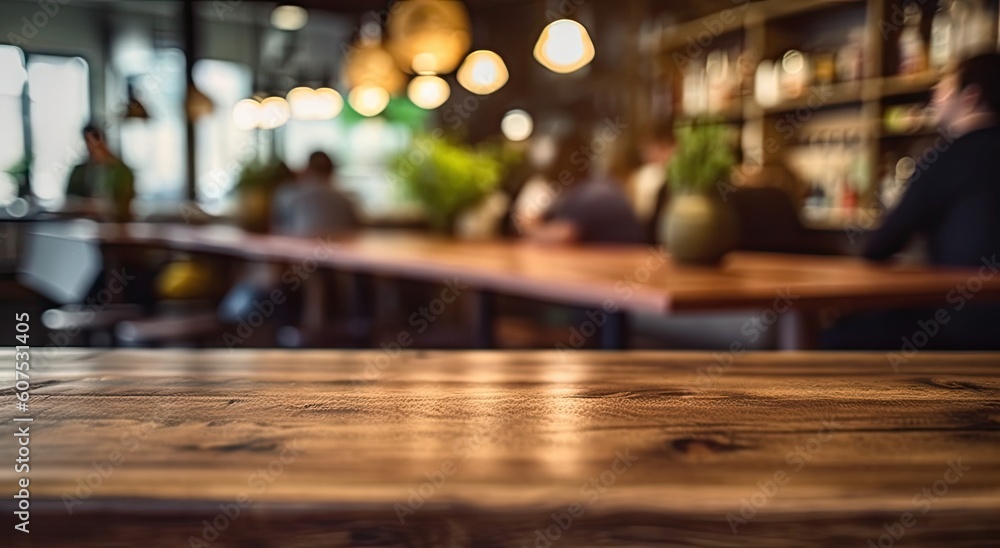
[{"x": 777, "y": 133}]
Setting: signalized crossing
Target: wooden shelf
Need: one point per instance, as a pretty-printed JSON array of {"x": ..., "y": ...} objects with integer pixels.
[
  {"x": 830, "y": 96},
  {"x": 894, "y": 86}
]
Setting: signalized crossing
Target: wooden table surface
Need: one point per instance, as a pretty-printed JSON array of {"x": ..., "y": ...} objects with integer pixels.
[
  {"x": 483, "y": 449},
  {"x": 633, "y": 278}
]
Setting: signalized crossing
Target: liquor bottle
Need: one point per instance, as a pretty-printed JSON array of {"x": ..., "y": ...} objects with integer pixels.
[
  {"x": 912, "y": 50},
  {"x": 942, "y": 36}
]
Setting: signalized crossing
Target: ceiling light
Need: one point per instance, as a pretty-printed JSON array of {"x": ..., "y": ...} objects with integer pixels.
[
  {"x": 517, "y": 125},
  {"x": 288, "y": 17},
  {"x": 246, "y": 114},
  {"x": 368, "y": 100},
  {"x": 483, "y": 72},
  {"x": 428, "y": 92},
  {"x": 274, "y": 113},
  {"x": 329, "y": 104},
  {"x": 564, "y": 47},
  {"x": 314, "y": 104}
]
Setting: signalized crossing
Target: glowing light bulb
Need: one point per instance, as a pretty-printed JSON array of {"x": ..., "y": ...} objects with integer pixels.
[
  {"x": 368, "y": 100},
  {"x": 274, "y": 113},
  {"x": 483, "y": 72},
  {"x": 428, "y": 92},
  {"x": 517, "y": 125},
  {"x": 289, "y": 18},
  {"x": 564, "y": 46},
  {"x": 246, "y": 114}
]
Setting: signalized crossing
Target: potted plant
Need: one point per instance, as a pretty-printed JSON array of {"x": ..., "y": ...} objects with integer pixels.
[
  {"x": 21, "y": 173},
  {"x": 446, "y": 178},
  {"x": 254, "y": 189},
  {"x": 700, "y": 227}
]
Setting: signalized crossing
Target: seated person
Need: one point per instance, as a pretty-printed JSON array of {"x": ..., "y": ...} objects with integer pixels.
[
  {"x": 103, "y": 186},
  {"x": 585, "y": 208},
  {"x": 312, "y": 206},
  {"x": 953, "y": 200}
]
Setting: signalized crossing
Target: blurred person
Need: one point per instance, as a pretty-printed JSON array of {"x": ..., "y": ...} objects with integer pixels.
[
  {"x": 584, "y": 208},
  {"x": 311, "y": 205},
  {"x": 646, "y": 186},
  {"x": 103, "y": 185},
  {"x": 533, "y": 194},
  {"x": 953, "y": 201}
]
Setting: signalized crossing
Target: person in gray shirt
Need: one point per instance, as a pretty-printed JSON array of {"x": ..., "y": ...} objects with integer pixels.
[{"x": 312, "y": 206}]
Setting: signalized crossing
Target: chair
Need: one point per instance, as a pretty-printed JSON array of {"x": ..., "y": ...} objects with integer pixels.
[{"x": 769, "y": 221}]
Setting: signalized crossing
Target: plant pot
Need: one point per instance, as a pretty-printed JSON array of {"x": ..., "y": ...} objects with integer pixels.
[{"x": 699, "y": 229}]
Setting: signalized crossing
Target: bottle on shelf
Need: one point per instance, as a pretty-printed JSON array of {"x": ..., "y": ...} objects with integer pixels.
[
  {"x": 850, "y": 58},
  {"x": 912, "y": 49},
  {"x": 942, "y": 49}
]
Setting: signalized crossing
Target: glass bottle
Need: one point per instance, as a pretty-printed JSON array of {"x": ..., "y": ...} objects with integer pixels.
[
  {"x": 912, "y": 50},
  {"x": 942, "y": 36}
]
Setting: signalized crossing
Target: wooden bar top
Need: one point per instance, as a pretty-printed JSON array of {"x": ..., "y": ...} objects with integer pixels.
[
  {"x": 634, "y": 278},
  {"x": 323, "y": 448}
]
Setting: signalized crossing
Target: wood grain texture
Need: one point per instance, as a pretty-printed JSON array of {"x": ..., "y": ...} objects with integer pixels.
[
  {"x": 634, "y": 278},
  {"x": 516, "y": 437}
]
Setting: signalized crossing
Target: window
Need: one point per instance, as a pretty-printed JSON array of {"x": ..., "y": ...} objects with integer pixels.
[
  {"x": 52, "y": 94},
  {"x": 221, "y": 148},
  {"x": 58, "y": 88},
  {"x": 11, "y": 119},
  {"x": 155, "y": 147}
]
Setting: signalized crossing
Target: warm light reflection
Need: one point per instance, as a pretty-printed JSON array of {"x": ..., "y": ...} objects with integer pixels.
[
  {"x": 483, "y": 72},
  {"x": 517, "y": 125},
  {"x": 289, "y": 18},
  {"x": 314, "y": 104},
  {"x": 274, "y": 113},
  {"x": 428, "y": 36},
  {"x": 368, "y": 100},
  {"x": 246, "y": 114},
  {"x": 564, "y": 47},
  {"x": 428, "y": 92}
]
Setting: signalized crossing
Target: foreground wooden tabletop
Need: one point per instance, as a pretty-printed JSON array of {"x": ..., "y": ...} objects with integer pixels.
[{"x": 538, "y": 449}]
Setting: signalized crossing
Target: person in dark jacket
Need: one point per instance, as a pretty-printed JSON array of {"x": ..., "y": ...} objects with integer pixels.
[{"x": 953, "y": 201}]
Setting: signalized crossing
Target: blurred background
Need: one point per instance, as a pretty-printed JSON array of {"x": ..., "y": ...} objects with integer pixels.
[{"x": 203, "y": 109}]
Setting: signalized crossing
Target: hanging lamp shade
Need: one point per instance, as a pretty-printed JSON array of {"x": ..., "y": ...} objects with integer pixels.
[
  {"x": 564, "y": 46},
  {"x": 483, "y": 72},
  {"x": 428, "y": 92},
  {"x": 370, "y": 64},
  {"x": 429, "y": 36}
]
